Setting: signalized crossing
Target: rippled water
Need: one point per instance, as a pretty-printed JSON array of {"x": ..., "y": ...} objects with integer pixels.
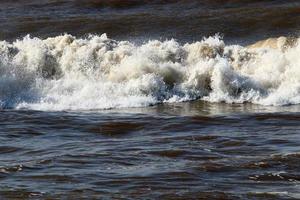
[
  {"x": 90, "y": 117},
  {"x": 178, "y": 151},
  {"x": 186, "y": 20}
]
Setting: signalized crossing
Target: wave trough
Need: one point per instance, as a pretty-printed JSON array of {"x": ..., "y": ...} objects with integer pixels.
[{"x": 69, "y": 73}]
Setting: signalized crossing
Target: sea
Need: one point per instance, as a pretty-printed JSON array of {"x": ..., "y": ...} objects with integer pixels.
[{"x": 149, "y": 99}]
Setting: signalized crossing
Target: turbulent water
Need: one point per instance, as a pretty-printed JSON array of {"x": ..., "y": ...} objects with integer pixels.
[
  {"x": 66, "y": 73},
  {"x": 149, "y": 99}
]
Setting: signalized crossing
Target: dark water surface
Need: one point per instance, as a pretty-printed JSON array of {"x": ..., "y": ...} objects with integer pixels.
[
  {"x": 177, "y": 151},
  {"x": 192, "y": 150},
  {"x": 185, "y": 20}
]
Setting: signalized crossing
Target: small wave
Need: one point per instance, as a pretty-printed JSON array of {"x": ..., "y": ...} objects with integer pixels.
[{"x": 69, "y": 73}]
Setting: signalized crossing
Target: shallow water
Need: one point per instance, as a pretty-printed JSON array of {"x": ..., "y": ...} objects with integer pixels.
[
  {"x": 192, "y": 150},
  {"x": 185, "y": 20},
  {"x": 136, "y": 115}
]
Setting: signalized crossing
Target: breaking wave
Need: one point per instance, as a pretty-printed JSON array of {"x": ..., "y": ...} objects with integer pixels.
[{"x": 69, "y": 73}]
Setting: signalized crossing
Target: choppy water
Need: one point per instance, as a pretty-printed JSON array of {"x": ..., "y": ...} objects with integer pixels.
[
  {"x": 135, "y": 114},
  {"x": 182, "y": 151}
]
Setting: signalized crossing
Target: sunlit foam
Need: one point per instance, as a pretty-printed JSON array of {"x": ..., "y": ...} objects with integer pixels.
[{"x": 96, "y": 72}]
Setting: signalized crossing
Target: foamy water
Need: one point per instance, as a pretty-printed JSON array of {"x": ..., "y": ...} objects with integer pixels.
[
  {"x": 135, "y": 114},
  {"x": 69, "y": 73}
]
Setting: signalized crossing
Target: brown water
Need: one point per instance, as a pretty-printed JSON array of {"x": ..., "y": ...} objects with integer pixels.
[
  {"x": 185, "y": 20},
  {"x": 180, "y": 151},
  {"x": 189, "y": 150}
]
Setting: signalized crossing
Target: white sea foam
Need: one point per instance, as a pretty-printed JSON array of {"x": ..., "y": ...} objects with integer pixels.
[{"x": 96, "y": 72}]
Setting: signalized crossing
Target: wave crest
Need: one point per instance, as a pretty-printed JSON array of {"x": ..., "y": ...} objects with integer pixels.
[{"x": 96, "y": 72}]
